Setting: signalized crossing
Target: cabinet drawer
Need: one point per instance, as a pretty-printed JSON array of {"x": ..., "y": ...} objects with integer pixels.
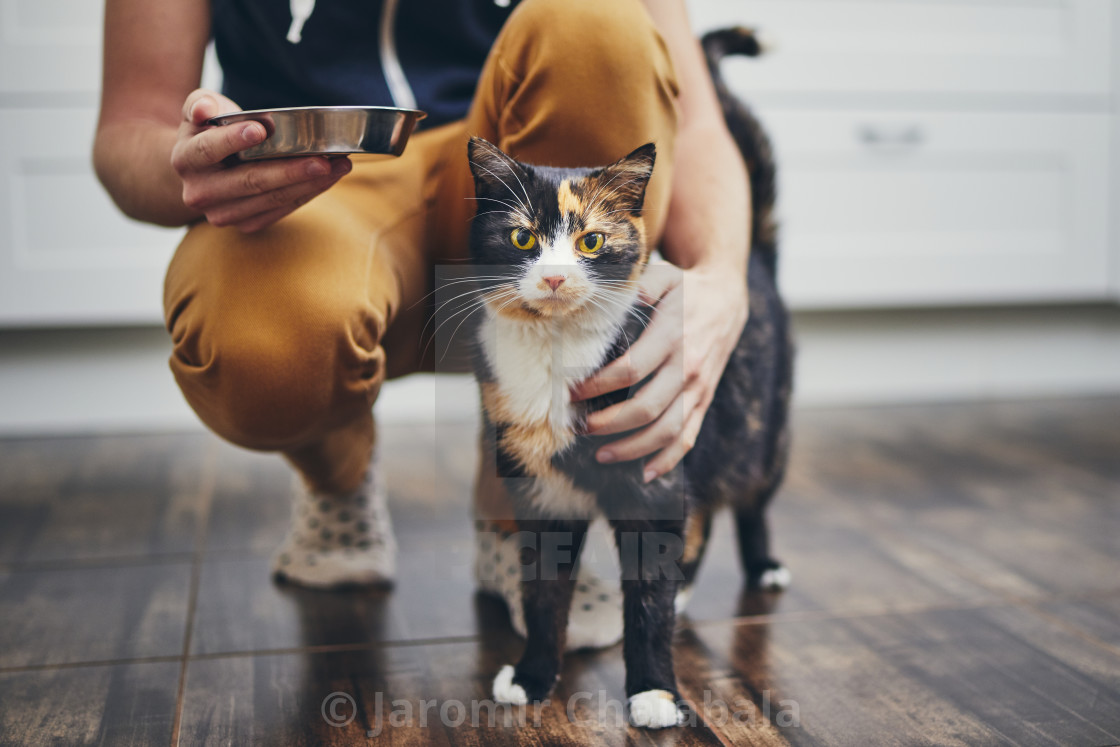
[
  {"x": 925, "y": 208},
  {"x": 920, "y": 46},
  {"x": 67, "y": 255}
]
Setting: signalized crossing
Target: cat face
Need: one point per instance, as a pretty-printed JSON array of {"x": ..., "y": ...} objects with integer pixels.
[{"x": 554, "y": 241}]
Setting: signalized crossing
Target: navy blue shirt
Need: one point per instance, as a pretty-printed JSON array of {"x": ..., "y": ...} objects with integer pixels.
[{"x": 439, "y": 46}]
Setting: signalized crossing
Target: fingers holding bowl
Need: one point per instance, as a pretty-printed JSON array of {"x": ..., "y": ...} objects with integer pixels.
[{"x": 262, "y": 208}]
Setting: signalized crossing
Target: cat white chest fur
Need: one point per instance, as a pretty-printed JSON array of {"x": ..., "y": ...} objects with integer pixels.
[{"x": 536, "y": 362}]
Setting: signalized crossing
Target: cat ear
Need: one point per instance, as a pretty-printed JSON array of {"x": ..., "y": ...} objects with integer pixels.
[
  {"x": 625, "y": 180},
  {"x": 494, "y": 171}
]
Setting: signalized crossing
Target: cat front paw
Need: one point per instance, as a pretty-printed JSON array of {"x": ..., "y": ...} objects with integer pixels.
[
  {"x": 510, "y": 687},
  {"x": 507, "y": 692},
  {"x": 770, "y": 575},
  {"x": 655, "y": 709}
]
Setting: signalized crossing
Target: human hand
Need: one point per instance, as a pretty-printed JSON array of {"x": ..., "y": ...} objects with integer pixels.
[
  {"x": 249, "y": 195},
  {"x": 698, "y": 317}
]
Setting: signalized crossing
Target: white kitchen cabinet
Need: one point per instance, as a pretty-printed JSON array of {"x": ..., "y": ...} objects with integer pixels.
[
  {"x": 67, "y": 256},
  {"x": 921, "y": 46},
  {"x": 50, "y": 46},
  {"x": 936, "y": 152},
  {"x": 931, "y": 152},
  {"x": 942, "y": 208}
]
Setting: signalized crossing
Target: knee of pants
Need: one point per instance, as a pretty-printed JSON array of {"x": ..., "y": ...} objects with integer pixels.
[
  {"x": 583, "y": 83},
  {"x": 599, "y": 51},
  {"x": 586, "y": 34},
  {"x": 274, "y": 379}
]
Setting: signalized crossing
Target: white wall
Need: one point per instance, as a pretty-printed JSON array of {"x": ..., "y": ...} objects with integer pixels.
[{"x": 62, "y": 381}]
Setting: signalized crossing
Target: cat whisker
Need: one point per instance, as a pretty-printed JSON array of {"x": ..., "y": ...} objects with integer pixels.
[
  {"x": 436, "y": 312},
  {"x": 601, "y": 187},
  {"x": 621, "y": 303},
  {"x": 613, "y": 192},
  {"x": 512, "y": 292},
  {"x": 632, "y": 310},
  {"x": 497, "y": 293},
  {"x": 443, "y": 304},
  {"x": 513, "y": 299},
  {"x": 519, "y": 210},
  {"x": 449, "y": 283},
  {"x": 453, "y": 299},
  {"x": 612, "y": 283},
  {"x": 610, "y": 181},
  {"x": 495, "y": 149},
  {"x": 495, "y": 212},
  {"x": 623, "y": 291},
  {"x": 509, "y": 188},
  {"x": 624, "y": 210},
  {"x": 595, "y": 302},
  {"x": 598, "y": 300},
  {"x": 513, "y": 210},
  {"x": 468, "y": 309}
]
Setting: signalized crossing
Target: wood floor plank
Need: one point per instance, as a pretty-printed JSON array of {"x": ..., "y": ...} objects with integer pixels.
[
  {"x": 250, "y": 504},
  {"x": 1071, "y": 688},
  {"x": 999, "y": 503},
  {"x": 240, "y": 608},
  {"x": 435, "y": 694},
  {"x": 835, "y": 566},
  {"x": 841, "y": 692},
  {"x": 124, "y": 704},
  {"x": 70, "y": 615},
  {"x": 101, "y": 497},
  {"x": 982, "y": 676},
  {"x": 1098, "y": 618},
  {"x": 955, "y": 582}
]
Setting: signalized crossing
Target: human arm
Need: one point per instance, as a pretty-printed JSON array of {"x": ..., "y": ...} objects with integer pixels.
[
  {"x": 700, "y": 311},
  {"x": 153, "y": 152}
]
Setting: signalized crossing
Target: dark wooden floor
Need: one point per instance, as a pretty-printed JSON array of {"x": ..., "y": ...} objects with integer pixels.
[{"x": 956, "y": 581}]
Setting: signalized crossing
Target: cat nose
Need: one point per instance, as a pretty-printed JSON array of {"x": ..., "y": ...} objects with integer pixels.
[{"x": 554, "y": 281}]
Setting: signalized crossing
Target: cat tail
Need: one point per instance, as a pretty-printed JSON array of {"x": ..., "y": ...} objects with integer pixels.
[{"x": 751, "y": 138}]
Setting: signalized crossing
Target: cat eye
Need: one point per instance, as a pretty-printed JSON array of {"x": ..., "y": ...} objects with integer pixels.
[
  {"x": 591, "y": 243},
  {"x": 523, "y": 238}
]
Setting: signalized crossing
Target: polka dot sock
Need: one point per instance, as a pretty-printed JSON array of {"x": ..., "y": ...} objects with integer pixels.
[
  {"x": 595, "y": 619},
  {"x": 339, "y": 540}
]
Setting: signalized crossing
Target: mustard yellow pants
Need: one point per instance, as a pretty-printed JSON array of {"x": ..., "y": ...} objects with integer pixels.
[{"x": 283, "y": 337}]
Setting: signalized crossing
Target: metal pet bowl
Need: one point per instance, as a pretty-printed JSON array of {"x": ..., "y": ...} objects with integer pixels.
[{"x": 327, "y": 130}]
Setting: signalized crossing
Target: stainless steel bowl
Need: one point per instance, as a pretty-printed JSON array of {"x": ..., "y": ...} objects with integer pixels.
[{"x": 327, "y": 130}]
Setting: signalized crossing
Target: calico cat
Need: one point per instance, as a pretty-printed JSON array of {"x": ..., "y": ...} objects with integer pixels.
[{"x": 563, "y": 250}]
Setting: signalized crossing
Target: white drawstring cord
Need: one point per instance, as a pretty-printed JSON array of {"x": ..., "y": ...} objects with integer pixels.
[{"x": 301, "y": 11}]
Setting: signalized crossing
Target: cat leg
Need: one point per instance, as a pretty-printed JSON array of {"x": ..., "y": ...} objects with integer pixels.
[
  {"x": 549, "y": 554},
  {"x": 650, "y": 556},
  {"x": 762, "y": 571},
  {"x": 697, "y": 530},
  {"x": 595, "y": 615}
]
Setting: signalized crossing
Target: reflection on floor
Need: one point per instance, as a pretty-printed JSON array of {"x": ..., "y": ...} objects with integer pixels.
[{"x": 956, "y": 581}]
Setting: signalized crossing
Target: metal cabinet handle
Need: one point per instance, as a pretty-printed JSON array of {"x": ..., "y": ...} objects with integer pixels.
[{"x": 911, "y": 135}]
